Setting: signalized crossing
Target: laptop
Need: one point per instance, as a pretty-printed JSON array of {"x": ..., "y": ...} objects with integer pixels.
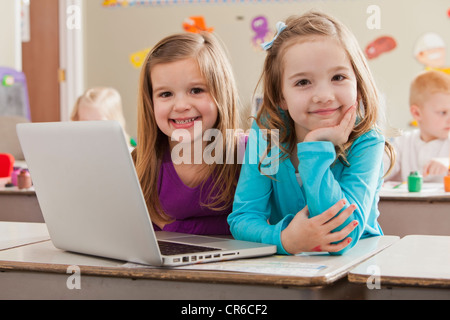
[{"x": 91, "y": 199}]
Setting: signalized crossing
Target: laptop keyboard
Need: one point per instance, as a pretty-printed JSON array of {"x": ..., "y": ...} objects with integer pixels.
[{"x": 172, "y": 248}]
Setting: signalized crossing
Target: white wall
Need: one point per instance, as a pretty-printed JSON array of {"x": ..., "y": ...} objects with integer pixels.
[
  {"x": 114, "y": 33},
  {"x": 10, "y": 40}
]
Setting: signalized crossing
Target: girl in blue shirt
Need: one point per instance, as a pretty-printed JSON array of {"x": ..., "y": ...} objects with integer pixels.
[{"x": 314, "y": 185}]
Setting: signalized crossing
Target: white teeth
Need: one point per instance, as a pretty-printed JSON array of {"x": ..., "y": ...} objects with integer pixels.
[{"x": 184, "y": 121}]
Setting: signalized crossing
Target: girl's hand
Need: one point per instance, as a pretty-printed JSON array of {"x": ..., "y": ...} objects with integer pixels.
[
  {"x": 337, "y": 134},
  {"x": 308, "y": 235}
]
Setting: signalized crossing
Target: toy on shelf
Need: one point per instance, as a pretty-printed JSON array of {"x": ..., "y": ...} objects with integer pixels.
[
  {"x": 13, "y": 93},
  {"x": 24, "y": 180},
  {"x": 6, "y": 165},
  {"x": 14, "y": 175}
]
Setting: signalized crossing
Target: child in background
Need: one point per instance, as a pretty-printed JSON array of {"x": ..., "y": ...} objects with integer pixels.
[
  {"x": 99, "y": 103},
  {"x": 186, "y": 83},
  {"x": 427, "y": 149},
  {"x": 316, "y": 86}
]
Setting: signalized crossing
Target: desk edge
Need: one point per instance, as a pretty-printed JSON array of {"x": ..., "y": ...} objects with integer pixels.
[
  {"x": 217, "y": 277},
  {"x": 400, "y": 281}
]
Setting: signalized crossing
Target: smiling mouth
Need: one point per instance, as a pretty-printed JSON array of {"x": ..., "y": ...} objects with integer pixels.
[
  {"x": 325, "y": 112},
  {"x": 185, "y": 121}
]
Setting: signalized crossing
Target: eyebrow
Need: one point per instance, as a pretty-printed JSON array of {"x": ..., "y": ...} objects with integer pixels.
[
  {"x": 160, "y": 88},
  {"x": 332, "y": 70},
  {"x": 195, "y": 83}
]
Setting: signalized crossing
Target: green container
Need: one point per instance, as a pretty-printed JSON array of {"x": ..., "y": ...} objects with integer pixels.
[{"x": 415, "y": 182}]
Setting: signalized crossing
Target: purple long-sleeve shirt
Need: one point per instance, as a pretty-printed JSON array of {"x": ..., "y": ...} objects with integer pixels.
[{"x": 183, "y": 204}]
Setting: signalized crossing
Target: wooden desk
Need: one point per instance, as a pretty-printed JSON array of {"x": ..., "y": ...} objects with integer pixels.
[
  {"x": 39, "y": 271},
  {"x": 19, "y": 205},
  {"x": 403, "y": 213},
  {"x": 416, "y": 267}
]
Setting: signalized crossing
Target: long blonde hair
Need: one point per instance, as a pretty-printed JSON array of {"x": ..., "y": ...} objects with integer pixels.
[
  {"x": 270, "y": 116},
  {"x": 216, "y": 69}
]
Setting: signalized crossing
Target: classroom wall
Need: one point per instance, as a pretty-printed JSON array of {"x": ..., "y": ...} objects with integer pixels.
[
  {"x": 10, "y": 53},
  {"x": 112, "y": 34}
]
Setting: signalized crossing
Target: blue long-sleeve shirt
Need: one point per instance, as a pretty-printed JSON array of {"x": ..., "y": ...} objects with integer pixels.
[{"x": 263, "y": 206}]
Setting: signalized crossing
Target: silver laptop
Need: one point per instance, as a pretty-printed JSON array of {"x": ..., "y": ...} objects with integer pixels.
[{"x": 92, "y": 203}]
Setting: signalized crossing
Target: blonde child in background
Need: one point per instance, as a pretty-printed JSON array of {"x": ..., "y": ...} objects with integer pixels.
[
  {"x": 316, "y": 86},
  {"x": 427, "y": 149},
  {"x": 100, "y": 103},
  {"x": 186, "y": 83}
]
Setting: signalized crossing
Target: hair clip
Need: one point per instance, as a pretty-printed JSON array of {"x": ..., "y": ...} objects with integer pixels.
[{"x": 280, "y": 27}]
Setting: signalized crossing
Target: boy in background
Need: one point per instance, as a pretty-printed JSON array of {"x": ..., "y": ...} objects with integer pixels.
[{"x": 427, "y": 149}]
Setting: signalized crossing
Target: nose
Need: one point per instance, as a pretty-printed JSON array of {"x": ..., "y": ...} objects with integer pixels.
[
  {"x": 181, "y": 103},
  {"x": 323, "y": 94}
]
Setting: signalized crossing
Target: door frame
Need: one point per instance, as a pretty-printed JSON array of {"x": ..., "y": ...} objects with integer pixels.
[
  {"x": 71, "y": 25},
  {"x": 18, "y": 34}
]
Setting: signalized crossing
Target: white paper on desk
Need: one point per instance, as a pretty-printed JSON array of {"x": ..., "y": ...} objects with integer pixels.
[
  {"x": 285, "y": 268},
  {"x": 395, "y": 187}
]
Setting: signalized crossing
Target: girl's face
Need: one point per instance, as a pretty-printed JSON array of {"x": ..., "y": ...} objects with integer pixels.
[
  {"x": 318, "y": 84},
  {"x": 182, "y": 100}
]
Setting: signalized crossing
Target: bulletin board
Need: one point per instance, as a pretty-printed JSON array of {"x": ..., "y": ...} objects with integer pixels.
[
  {"x": 118, "y": 34},
  {"x": 13, "y": 94}
]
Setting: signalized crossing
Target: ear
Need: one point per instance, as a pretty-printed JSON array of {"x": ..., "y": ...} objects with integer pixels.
[{"x": 415, "y": 111}]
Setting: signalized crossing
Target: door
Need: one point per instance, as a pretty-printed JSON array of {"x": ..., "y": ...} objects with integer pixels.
[{"x": 40, "y": 59}]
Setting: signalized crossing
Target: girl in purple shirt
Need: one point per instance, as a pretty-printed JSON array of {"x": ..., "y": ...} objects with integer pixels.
[{"x": 185, "y": 159}]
